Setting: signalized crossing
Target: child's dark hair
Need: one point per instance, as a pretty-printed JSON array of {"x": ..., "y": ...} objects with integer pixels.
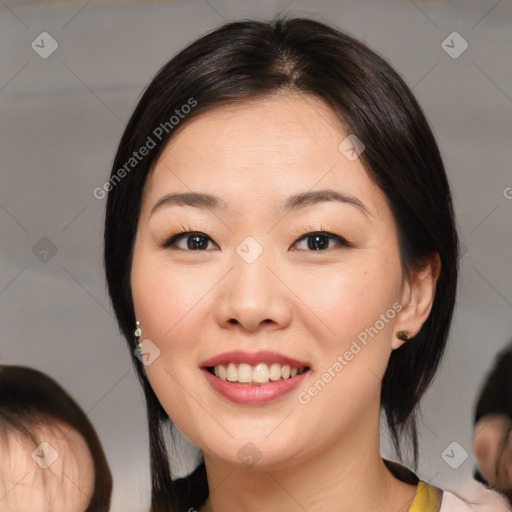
[{"x": 29, "y": 399}]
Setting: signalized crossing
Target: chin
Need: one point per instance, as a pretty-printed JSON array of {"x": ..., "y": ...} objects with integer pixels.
[{"x": 256, "y": 452}]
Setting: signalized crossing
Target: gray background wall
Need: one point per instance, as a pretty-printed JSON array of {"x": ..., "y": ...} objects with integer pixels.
[{"x": 61, "y": 120}]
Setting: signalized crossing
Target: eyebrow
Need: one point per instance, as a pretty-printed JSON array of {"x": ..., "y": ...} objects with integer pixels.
[{"x": 295, "y": 202}]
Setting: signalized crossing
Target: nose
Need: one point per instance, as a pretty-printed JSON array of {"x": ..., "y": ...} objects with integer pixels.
[{"x": 252, "y": 296}]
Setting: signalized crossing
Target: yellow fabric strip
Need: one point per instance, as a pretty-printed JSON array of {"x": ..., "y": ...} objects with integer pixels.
[{"x": 427, "y": 499}]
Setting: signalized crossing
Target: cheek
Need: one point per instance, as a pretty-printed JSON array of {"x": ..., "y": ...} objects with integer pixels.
[
  {"x": 168, "y": 299},
  {"x": 172, "y": 304},
  {"x": 156, "y": 300},
  {"x": 351, "y": 299},
  {"x": 352, "y": 329}
]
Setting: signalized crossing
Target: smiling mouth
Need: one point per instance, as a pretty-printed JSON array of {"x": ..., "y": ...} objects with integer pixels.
[{"x": 258, "y": 374}]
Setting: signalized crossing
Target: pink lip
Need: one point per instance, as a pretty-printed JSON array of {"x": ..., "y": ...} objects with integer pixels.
[
  {"x": 248, "y": 394},
  {"x": 253, "y": 358}
]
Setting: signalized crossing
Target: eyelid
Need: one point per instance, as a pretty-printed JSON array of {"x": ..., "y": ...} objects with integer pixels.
[{"x": 173, "y": 233}]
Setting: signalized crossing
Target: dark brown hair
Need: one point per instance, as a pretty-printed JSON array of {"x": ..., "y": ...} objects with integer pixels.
[
  {"x": 30, "y": 399},
  {"x": 245, "y": 60}
]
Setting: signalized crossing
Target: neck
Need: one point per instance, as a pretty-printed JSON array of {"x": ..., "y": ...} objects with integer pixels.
[{"x": 347, "y": 475}]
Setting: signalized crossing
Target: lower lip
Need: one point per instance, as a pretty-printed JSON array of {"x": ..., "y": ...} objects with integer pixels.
[{"x": 254, "y": 394}]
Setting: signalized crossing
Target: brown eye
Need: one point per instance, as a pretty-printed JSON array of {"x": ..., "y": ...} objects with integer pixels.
[
  {"x": 319, "y": 240},
  {"x": 195, "y": 241}
]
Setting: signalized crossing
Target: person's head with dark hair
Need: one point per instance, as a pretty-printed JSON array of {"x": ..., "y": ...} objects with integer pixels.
[
  {"x": 50, "y": 455},
  {"x": 492, "y": 437},
  {"x": 298, "y": 167}
]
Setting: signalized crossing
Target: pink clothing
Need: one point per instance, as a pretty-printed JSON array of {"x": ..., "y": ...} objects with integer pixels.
[{"x": 474, "y": 497}]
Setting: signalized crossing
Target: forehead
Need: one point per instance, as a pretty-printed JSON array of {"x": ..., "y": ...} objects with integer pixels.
[
  {"x": 278, "y": 145},
  {"x": 287, "y": 116},
  {"x": 18, "y": 456}
]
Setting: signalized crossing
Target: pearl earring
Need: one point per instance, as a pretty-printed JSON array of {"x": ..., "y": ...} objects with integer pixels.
[{"x": 138, "y": 334}]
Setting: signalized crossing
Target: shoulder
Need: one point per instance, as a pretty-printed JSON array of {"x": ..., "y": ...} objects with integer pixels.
[
  {"x": 473, "y": 497},
  {"x": 452, "y": 503}
]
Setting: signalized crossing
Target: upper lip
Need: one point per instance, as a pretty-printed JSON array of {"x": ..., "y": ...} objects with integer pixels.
[{"x": 253, "y": 358}]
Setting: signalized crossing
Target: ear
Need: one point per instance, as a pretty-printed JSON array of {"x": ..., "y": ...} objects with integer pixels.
[{"x": 417, "y": 297}]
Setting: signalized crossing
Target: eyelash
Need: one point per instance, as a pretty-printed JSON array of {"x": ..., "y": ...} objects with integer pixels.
[{"x": 173, "y": 237}]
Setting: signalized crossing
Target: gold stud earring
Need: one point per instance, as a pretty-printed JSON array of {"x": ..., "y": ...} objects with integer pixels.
[{"x": 402, "y": 335}]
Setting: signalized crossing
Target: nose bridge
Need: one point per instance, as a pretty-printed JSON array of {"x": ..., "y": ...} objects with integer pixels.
[
  {"x": 251, "y": 275},
  {"x": 254, "y": 294}
]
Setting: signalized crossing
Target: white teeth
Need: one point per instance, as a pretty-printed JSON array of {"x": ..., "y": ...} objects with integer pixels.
[
  {"x": 232, "y": 373},
  {"x": 274, "y": 372},
  {"x": 259, "y": 374},
  {"x": 244, "y": 373}
]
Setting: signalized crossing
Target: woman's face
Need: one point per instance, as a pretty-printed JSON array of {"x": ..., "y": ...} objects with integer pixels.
[{"x": 252, "y": 281}]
